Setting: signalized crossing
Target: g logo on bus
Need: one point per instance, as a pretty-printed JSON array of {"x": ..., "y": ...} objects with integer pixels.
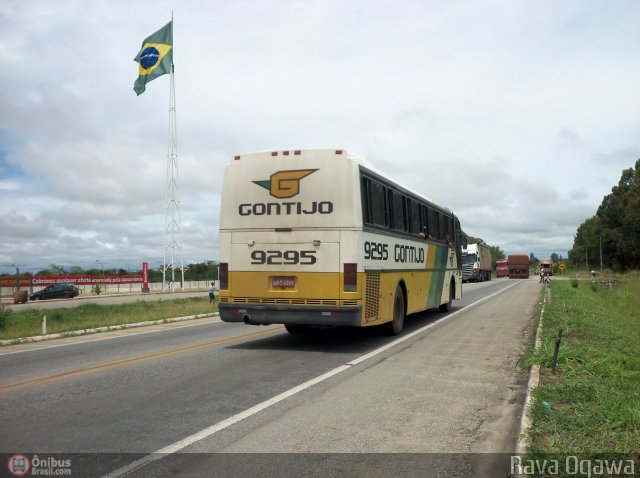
[{"x": 285, "y": 184}]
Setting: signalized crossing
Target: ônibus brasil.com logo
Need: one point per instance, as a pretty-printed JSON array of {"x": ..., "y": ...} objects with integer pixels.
[{"x": 20, "y": 465}]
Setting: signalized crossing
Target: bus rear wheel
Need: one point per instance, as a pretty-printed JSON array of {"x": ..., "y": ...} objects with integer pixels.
[
  {"x": 296, "y": 329},
  {"x": 446, "y": 307},
  {"x": 395, "y": 326}
]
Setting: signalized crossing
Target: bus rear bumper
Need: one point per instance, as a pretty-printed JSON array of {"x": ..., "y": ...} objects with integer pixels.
[{"x": 255, "y": 314}]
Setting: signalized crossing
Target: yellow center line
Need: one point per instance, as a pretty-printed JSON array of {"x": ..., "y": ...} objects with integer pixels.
[{"x": 44, "y": 379}]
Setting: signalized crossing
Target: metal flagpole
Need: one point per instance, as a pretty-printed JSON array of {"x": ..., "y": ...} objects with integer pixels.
[{"x": 173, "y": 216}]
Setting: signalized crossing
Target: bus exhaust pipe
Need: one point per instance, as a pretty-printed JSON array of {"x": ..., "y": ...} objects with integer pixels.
[{"x": 247, "y": 320}]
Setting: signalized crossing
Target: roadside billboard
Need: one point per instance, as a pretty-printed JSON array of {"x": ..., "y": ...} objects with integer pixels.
[{"x": 26, "y": 281}]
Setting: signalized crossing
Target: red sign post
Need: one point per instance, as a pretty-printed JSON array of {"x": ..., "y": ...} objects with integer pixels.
[{"x": 145, "y": 277}]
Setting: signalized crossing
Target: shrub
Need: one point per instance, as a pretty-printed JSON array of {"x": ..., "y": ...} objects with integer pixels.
[{"x": 4, "y": 316}]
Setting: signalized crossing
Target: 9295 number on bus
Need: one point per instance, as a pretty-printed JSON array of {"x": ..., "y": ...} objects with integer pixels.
[
  {"x": 376, "y": 251},
  {"x": 285, "y": 258}
]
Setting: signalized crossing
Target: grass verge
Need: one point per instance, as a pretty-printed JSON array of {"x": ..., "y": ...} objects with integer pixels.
[
  {"x": 27, "y": 323},
  {"x": 594, "y": 398}
]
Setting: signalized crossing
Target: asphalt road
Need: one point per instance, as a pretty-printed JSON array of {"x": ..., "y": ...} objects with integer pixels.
[{"x": 201, "y": 392}]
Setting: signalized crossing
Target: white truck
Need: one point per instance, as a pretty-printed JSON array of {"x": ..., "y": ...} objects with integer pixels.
[{"x": 476, "y": 262}]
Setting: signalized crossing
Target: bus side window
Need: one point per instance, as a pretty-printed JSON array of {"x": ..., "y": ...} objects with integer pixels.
[
  {"x": 433, "y": 223},
  {"x": 424, "y": 227},
  {"x": 364, "y": 196},
  {"x": 458, "y": 238},
  {"x": 443, "y": 231},
  {"x": 376, "y": 204},
  {"x": 396, "y": 207},
  {"x": 414, "y": 216}
]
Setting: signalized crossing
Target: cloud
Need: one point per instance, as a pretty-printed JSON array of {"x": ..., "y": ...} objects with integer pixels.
[
  {"x": 9, "y": 185},
  {"x": 620, "y": 157},
  {"x": 568, "y": 138},
  {"x": 518, "y": 116}
]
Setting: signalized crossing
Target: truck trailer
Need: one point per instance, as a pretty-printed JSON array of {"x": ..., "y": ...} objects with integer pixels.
[
  {"x": 476, "y": 262},
  {"x": 518, "y": 266}
]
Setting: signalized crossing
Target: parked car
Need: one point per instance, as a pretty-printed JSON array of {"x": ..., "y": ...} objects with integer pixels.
[{"x": 56, "y": 291}]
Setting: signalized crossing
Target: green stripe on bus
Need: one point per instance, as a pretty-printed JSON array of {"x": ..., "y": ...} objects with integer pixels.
[{"x": 437, "y": 279}]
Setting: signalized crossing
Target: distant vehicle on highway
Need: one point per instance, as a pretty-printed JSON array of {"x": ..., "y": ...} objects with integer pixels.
[
  {"x": 476, "y": 262},
  {"x": 518, "y": 266},
  {"x": 546, "y": 267},
  {"x": 502, "y": 268},
  {"x": 56, "y": 291}
]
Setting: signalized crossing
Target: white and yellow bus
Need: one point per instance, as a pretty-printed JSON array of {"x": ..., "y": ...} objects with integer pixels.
[{"x": 319, "y": 237}]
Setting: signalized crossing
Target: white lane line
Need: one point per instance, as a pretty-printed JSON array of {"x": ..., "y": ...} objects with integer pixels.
[{"x": 213, "y": 429}]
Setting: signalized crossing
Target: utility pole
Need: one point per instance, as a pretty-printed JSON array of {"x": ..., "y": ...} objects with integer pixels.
[
  {"x": 586, "y": 257},
  {"x": 600, "y": 252}
]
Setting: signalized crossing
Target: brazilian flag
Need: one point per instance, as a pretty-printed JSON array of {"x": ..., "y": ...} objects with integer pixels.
[{"x": 155, "y": 57}]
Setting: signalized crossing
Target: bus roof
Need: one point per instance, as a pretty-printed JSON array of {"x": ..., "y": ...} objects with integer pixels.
[{"x": 325, "y": 152}]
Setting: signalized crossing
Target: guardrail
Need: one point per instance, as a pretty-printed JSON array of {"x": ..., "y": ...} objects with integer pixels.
[{"x": 607, "y": 283}]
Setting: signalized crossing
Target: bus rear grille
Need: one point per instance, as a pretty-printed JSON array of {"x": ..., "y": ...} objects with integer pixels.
[
  {"x": 372, "y": 302},
  {"x": 266, "y": 300}
]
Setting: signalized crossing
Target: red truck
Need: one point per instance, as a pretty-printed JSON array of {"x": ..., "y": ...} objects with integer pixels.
[
  {"x": 502, "y": 268},
  {"x": 518, "y": 266}
]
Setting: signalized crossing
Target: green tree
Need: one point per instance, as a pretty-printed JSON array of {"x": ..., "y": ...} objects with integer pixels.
[
  {"x": 533, "y": 261},
  {"x": 496, "y": 253},
  {"x": 57, "y": 270},
  {"x": 615, "y": 228},
  {"x": 584, "y": 248},
  {"x": 202, "y": 271}
]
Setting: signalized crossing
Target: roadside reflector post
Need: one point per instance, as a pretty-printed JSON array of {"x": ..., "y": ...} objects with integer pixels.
[
  {"x": 44, "y": 325},
  {"x": 554, "y": 367}
]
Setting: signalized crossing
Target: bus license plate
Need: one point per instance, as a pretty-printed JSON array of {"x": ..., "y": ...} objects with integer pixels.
[{"x": 283, "y": 282}]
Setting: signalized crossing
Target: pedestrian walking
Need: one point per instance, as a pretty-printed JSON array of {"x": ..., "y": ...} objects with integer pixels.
[{"x": 212, "y": 295}]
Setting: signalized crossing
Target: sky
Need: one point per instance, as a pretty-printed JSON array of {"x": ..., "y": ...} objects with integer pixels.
[{"x": 518, "y": 115}]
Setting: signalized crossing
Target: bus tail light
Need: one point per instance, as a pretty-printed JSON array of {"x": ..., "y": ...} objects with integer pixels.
[
  {"x": 224, "y": 276},
  {"x": 350, "y": 277}
]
